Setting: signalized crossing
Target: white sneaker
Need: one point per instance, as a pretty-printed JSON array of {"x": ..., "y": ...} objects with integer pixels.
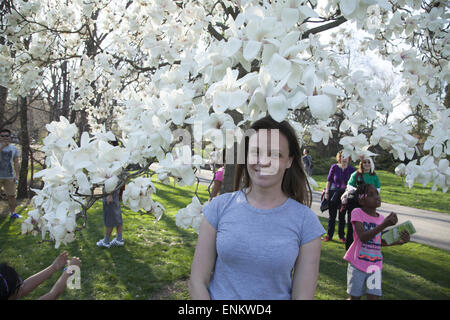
[
  {"x": 117, "y": 243},
  {"x": 102, "y": 243}
]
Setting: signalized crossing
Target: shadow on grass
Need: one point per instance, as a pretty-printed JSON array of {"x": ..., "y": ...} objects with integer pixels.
[
  {"x": 419, "y": 273},
  {"x": 155, "y": 255},
  {"x": 5, "y": 223}
]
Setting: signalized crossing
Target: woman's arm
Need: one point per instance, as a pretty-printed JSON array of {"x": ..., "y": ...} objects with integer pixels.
[
  {"x": 35, "y": 280},
  {"x": 306, "y": 271},
  {"x": 330, "y": 178},
  {"x": 61, "y": 283},
  {"x": 327, "y": 191},
  {"x": 58, "y": 288},
  {"x": 204, "y": 262}
]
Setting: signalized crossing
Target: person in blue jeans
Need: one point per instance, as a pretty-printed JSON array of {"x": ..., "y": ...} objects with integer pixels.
[{"x": 261, "y": 241}]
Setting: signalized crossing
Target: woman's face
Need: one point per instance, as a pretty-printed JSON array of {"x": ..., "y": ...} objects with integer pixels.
[
  {"x": 366, "y": 165},
  {"x": 344, "y": 161},
  {"x": 268, "y": 158}
]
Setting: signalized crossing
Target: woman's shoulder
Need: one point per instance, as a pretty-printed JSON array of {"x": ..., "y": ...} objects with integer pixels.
[
  {"x": 333, "y": 167},
  {"x": 371, "y": 176},
  {"x": 354, "y": 173},
  {"x": 305, "y": 221},
  {"x": 215, "y": 209},
  {"x": 297, "y": 208},
  {"x": 224, "y": 199}
]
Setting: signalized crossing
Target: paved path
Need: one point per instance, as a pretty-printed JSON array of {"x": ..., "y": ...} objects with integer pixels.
[{"x": 433, "y": 228}]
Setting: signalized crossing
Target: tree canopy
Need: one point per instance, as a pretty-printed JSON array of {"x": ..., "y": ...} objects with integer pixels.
[{"x": 141, "y": 70}]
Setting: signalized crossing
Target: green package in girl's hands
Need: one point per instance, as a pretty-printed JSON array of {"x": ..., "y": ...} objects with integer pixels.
[{"x": 395, "y": 233}]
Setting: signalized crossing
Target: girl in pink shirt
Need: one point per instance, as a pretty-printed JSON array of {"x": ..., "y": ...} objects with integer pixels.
[
  {"x": 364, "y": 255},
  {"x": 217, "y": 182}
]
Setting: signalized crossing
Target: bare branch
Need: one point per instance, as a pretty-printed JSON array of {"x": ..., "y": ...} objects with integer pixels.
[{"x": 325, "y": 27}]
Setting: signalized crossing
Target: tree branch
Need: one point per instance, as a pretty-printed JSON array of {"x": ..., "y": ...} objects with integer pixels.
[{"x": 324, "y": 27}]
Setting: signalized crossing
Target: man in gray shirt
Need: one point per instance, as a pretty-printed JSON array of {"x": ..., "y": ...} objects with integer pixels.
[{"x": 9, "y": 170}]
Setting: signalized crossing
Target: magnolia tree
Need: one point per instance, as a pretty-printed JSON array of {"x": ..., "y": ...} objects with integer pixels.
[{"x": 170, "y": 73}]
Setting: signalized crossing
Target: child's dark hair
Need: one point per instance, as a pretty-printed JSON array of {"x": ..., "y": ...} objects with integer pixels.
[
  {"x": 10, "y": 281},
  {"x": 362, "y": 190}
]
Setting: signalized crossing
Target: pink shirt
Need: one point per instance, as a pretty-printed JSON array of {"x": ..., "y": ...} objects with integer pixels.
[
  {"x": 219, "y": 174},
  {"x": 364, "y": 255}
]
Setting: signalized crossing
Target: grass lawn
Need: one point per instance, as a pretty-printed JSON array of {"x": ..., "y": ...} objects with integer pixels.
[
  {"x": 156, "y": 259},
  {"x": 394, "y": 191}
]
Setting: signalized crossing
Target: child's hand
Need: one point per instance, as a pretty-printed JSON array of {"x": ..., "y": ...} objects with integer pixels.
[
  {"x": 60, "y": 261},
  {"x": 404, "y": 237},
  {"x": 109, "y": 199},
  {"x": 391, "y": 219}
]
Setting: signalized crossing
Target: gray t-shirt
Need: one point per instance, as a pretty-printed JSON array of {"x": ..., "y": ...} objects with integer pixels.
[
  {"x": 256, "y": 248},
  {"x": 7, "y": 156}
]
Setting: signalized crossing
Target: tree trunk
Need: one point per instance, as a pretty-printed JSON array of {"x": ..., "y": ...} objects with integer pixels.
[
  {"x": 228, "y": 179},
  {"x": 22, "y": 190},
  {"x": 3, "y": 98},
  {"x": 66, "y": 90}
]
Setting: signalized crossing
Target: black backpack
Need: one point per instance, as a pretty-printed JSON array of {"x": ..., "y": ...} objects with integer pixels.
[{"x": 352, "y": 198}]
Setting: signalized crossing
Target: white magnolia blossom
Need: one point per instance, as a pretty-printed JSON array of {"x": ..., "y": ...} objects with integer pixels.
[
  {"x": 191, "y": 216},
  {"x": 321, "y": 132},
  {"x": 152, "y": 67},
  {"x": 356, "y": 147},
  {"x": 55, "y": 212},
  {"x": 396, "y": 139},
  {"x": 158, "y": 210},
  {"x": 182, "y": 166},
  {"x": 138, "y": 194},
  {"x": 439, "y": 140},
  {"x": 425, "y": 172}
]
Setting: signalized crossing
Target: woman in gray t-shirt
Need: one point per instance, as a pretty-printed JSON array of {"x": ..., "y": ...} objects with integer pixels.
[{"x": 261, "y": 241}]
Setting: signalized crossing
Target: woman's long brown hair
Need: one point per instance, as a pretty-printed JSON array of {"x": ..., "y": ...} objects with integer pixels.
[{"x": 295, "y": 183}]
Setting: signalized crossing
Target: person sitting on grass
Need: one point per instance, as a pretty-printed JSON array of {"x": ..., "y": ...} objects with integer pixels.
[
  {"x": 12, "y": 287},
  {"x": 364, "y": 257}
]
